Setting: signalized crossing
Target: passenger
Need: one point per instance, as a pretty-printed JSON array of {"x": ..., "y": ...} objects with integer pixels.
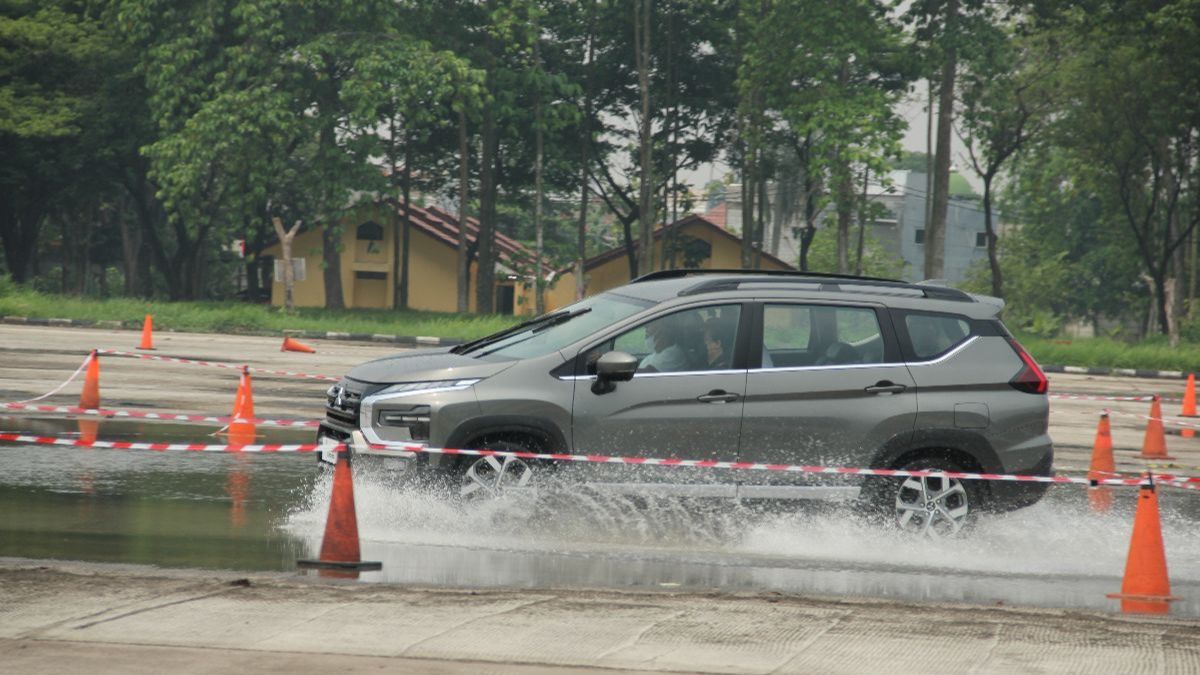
[
  {"x": 668, "y": 356},
  {"x": 718, "y": 338}
]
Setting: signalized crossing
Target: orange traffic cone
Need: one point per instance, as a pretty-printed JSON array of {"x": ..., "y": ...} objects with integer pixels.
[
  {"x": 1146, "y": 589},
  {"x": 147, "y": 333},
  {"x": 242, "y": 432},
  {"x": 340, "y": 552},
  {"x": 1100, "y": 496},
  {"x": 290, "y": 345},
  {"x": 1189, "y": 405},
  {"x": 90, "y": 398},
  {"x": 1154, "y": 446}
]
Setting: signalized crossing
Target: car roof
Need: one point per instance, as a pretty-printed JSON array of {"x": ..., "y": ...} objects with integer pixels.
[{"x": 667, "y": 285}]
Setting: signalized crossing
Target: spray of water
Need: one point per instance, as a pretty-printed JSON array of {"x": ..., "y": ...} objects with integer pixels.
[{"x": 1058, "y": 536}]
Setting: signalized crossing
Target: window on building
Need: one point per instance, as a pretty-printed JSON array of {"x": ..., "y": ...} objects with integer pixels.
[
  {"x": 980, "y": 239},
  {"x": 920, "y": 238},
  {"x": 381, "y": 276},
  {"x": 370, "y": 231},
  {"x": 298, "y": 269}
]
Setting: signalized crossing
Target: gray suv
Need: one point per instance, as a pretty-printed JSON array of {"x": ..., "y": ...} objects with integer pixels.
[{"x": 779, "y": 368}]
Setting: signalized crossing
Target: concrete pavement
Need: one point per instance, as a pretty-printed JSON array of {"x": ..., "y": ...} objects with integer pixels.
[{"x": 58, "y": 617}]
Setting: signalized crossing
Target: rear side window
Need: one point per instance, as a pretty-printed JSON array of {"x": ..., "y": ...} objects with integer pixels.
[
  {"x": 819, "y": 335},
  {"x": 934, "y": 334}
]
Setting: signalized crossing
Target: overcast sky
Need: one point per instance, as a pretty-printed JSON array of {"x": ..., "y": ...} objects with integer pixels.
[{"x": 911, "y": 109}]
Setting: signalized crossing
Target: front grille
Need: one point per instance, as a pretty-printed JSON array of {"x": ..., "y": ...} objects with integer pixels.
[{"x": 344, "y": 400}]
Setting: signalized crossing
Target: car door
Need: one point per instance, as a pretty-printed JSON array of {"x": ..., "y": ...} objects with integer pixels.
[
  {"x": 683, "y": 402},
  {"x": 826, "y": 385}
]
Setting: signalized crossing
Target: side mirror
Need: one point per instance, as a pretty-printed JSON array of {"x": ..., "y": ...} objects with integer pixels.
[{"x": 613, "y": 367}]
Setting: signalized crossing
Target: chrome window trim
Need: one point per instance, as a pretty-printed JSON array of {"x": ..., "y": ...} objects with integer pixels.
[
  {"x": 792, "y": 369},
  {"x": 636, "y": 376},
  {"x": 941, "y": 359}
]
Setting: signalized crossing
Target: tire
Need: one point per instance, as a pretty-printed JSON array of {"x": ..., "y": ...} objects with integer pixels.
[{"x": 929, "y": 506}]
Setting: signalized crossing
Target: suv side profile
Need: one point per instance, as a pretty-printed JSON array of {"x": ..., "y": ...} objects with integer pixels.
[{"x": 779, "y": 368}]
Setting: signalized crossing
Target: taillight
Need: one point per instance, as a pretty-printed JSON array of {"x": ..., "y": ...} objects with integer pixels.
[{"x": 1030, "y": 378}]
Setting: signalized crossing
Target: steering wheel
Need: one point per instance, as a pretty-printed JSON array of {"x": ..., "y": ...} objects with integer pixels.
[{"x": 838, "y": 354}]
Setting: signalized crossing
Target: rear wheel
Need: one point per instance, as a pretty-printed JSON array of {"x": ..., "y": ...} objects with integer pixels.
[{"x": 931, "y": 506}]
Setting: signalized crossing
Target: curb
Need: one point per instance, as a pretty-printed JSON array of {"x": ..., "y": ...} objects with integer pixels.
[
  {"x": 1117, "y": 372},
  {"x": 404, "y": 340}
]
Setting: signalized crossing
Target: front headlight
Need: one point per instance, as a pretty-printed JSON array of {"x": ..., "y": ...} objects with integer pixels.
[{"x": 398, "y": 390}]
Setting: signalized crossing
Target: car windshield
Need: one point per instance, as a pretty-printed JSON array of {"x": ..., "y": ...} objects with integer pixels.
[{"x": 565, "y": 326}]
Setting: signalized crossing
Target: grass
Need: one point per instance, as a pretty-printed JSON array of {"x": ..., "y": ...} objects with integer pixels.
[
  {"x": 1151, "y": 354},
  {"x": 227, "y": 317}
]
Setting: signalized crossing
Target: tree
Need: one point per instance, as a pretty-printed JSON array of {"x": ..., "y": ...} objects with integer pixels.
[
  {"x": 830, "y": 75},
  {"x": 1006, "y": 102},
  {"x": 1131, "y": 124},
  {"x": 944, "y": 28},
  {"x": 58, "y": 64}
]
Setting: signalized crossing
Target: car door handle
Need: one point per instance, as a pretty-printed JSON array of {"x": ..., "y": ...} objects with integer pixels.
[
  {"x": 885, "y": 387},
  {"x": 718, "y": 396}
]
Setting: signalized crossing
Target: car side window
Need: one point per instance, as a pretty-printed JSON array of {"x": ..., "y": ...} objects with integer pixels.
[
  {"x": 820, "y": 335},
  {"x": 691, "y": 340},
  {"x": 934, "y": 334}
]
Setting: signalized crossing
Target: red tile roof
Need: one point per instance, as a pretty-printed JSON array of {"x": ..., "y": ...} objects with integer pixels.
[
  {"x": 693, "y": 219},
  {"x": 444, "y": 227}
]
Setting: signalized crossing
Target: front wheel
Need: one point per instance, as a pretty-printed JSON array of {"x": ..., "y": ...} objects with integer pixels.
[
  {"x": 490, "y": 477},
  {"x": 934, "y": 506}
]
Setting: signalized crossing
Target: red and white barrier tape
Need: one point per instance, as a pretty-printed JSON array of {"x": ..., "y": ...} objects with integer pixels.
[
  {"x": 1173, "y": 481},
  {"x": 158, "y": 447},
  {"x": 1093, "y": 397},
  {"x": 86, "y": 360},
  {"x": 168, "y": 417},
  {"x": 195, "y": 362},
  {"x": 1170, "y": 421}
]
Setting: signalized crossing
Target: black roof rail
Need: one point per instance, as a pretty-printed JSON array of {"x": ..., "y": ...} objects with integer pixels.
[
  {"x": 827, "y": 282},
  {"x": 688, "y": 272}
]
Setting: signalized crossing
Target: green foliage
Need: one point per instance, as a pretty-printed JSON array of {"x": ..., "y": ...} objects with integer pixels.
[{"x": 877, "y": 261}]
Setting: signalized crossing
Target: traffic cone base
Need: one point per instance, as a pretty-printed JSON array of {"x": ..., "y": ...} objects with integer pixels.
[
  {"x": 1154, "y": 445},
  {"x": 290, "y": 345},
  {"x": 147, "y": 334},
  {"x": 339, "y": 545},
  {"x": 1145, "y": 588}
]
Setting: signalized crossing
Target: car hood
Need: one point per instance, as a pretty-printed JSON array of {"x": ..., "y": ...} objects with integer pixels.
[{"x": 424, "y": 365}]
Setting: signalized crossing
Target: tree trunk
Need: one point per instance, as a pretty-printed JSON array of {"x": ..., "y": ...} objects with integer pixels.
[
  {"x": 642, "y": 46},
  {"x": 485, "y": 278},
  {"x": 334, "y": 295},
  {"x": 748, "y": 202},
  {"x": 19, "y": 225},
  {"x": 539, "y": 300},
  {"x": 845, "y": 215},
  {"x": 990, "y": 230},
  {"x": 285, "y": 247},
  {"x": 405, "y": 226},
  {"x": 863, "y": 209},
  {"x": 585, "y": 144},
  {"x": 935, "y": 234},
  {"x": 464, "y": 259}
]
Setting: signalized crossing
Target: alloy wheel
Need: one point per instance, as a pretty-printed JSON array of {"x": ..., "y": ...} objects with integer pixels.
[
  {"x": 489, "y": 477},
  {"x": 934, "y": 507}
]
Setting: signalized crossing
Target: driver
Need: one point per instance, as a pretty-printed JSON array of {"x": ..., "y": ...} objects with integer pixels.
[{"x": 667, "y": 356}]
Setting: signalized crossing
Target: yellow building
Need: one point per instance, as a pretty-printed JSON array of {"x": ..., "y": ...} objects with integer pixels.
[
  {"x": 369, "y": 249},
  {"x": 698, "y": 243}
]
